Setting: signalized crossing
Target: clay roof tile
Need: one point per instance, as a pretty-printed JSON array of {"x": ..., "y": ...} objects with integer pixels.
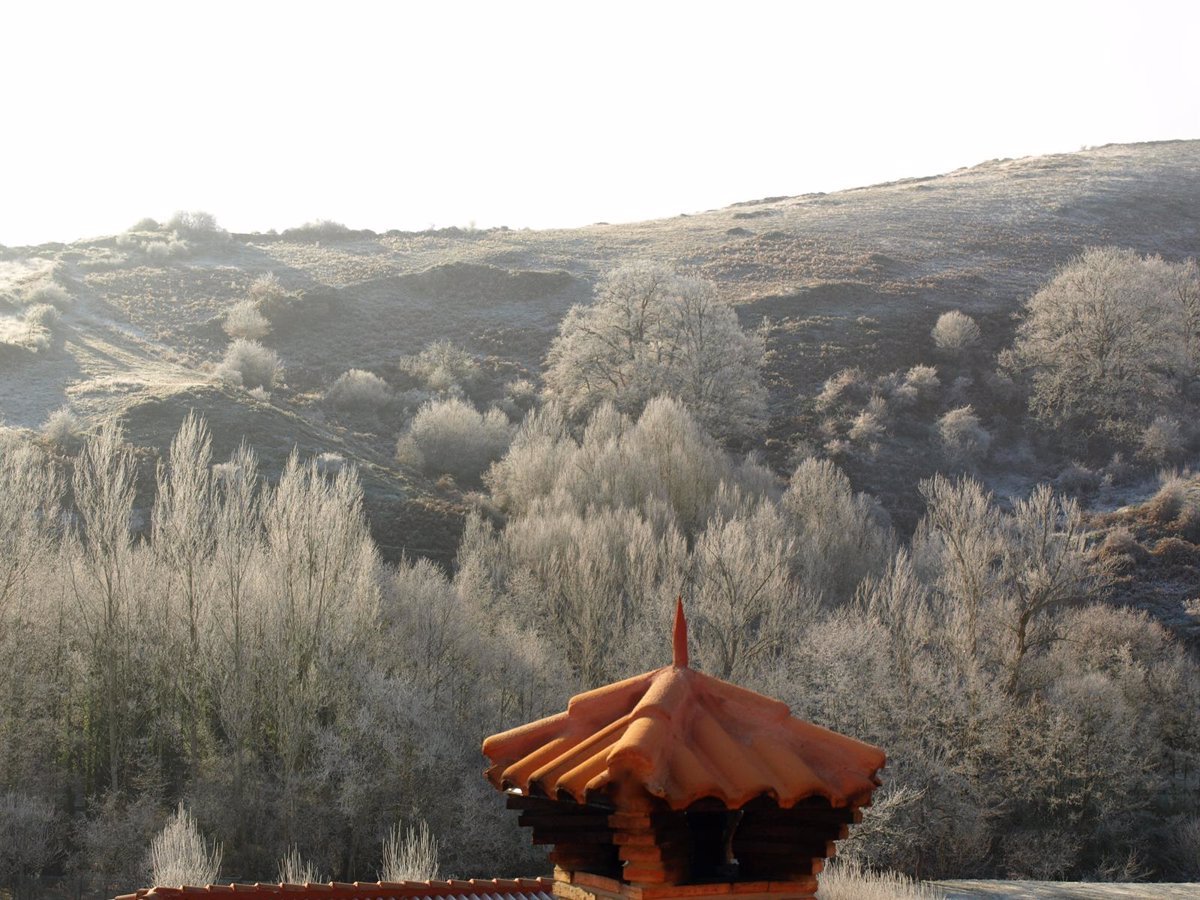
[{"x": 681, "y": 736}]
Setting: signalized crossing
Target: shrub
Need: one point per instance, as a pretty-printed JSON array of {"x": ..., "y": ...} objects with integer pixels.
[
  {"x": 1076, "y": 479},
  {"x": 197, "y": 226},
  {"x": 955, "y": 332},
  {"x": 848, "y": 386},
  {"x": 330, "y": 463},
  {"x": 61, "y": 427},
  {"x": 47, "y": 293},
  {"x": 243, "y": 320},
  {"x": 920, "y": 385},
  {"x": 146, "y": 224},
  {"x": 962, "y": 438},
  {"x": 249, "y": 364},
  {"x": 179, "y": 854},
  {"x": 358, "y": 391},
  {"x": 455, "y": 438},
  {"x": 444, "y": 367},
  {"x": 1162, "y": 440},
  {"x": 409, "y": 454},
  {"x": 1120, "y": 547},
  {"x": 266, "y": 289},
  {"x": 295, "y": 869},
  {"x": 847, "y": 881},
  {"x": 1183, "y": 848},
  {"x": 168, "y": 248},
  {"x": 867, "y": 427},
  {"x": 519, "y": 397},
  {"x": 320, "y": 229},
  {"x": 411, "y": 855},
  {"x": 43, "y": 315},
  {"x": 1177, "y": 499},
  {"x": 283, "y": 307}
]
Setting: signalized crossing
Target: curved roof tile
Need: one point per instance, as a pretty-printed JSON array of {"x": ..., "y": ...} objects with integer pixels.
[{"x": 682, "y": 736}]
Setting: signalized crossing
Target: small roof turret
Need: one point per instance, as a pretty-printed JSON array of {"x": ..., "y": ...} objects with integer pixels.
[{"x": 678, "y": 741}]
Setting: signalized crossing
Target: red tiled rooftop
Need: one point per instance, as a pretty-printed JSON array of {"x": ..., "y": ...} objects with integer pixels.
[
  {"x": 474, "y": 889},
  {"x": 682, "y": 736}
]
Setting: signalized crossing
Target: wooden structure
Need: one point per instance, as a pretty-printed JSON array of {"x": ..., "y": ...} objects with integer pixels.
[{"x": 677, "y": 784}]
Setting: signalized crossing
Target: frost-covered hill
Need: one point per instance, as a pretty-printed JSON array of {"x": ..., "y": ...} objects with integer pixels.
[{"x": 852, "y": 278}]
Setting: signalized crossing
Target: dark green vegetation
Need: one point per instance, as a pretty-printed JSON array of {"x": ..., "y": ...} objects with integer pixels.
[{"x": 1035, "y": 726}]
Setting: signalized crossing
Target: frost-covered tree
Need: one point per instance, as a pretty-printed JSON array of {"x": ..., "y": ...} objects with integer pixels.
[
  {"x": 651, "y": 332},
  {"x": 1108, "y": 344}
]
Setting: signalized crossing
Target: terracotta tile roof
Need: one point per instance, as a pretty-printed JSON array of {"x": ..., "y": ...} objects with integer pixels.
[
  {"x": 474, "y": 889},
  {"x": 682, "y": 736}
]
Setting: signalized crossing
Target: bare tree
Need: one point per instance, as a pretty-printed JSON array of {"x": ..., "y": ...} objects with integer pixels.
[
  {"x": 1046, "y": 565},
  {"x": 653, "y": 332},
  {"x": 183, "y": 538},
  {"x": 744, "y": 603},
  {"x": 1101, "y": 344},
  {"x": 104, "y": 491}
]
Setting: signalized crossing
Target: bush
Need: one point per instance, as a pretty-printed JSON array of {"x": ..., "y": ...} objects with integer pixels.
[
  {"x": 444, "y": 368},
  {"x": 455, "y": 438},
  {"x": 47, "y": 293},
  {"x": 249, "y": 364},
  {"x": 320, "y": 229},
  {"x": 243, "y": 320},
  {"x": 847, "y": 387},
  {"x": 283, "y": 307},
  {"x": 179, "y": 854},
  {"x": 197, "y": 226},
  {"x": 329, "y": 462},
  {"x": 43, "y": 315},
  {"x": 295, "y": 869},
  {"x": 962, "y": 438},
  {"x": 1162, "y": 440},
  {"x": 867, "y": 427},
  {"x": 955, "y": 332},
  {"x": 519, "y": 397},
  {"x": 266, "y": 290},
  {"x": 61, "y": 427},
  {"x": 168, "y": 248},
  {"x": 411, "y": 855},
  {"x": 358, "y": 391},
  {"x": 920, "y": 385},
  {"x": 1177, "y": 499},
  {"x": 846, "y": 881}
]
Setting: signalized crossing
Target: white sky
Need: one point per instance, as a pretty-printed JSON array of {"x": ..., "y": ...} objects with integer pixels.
[{"x": 405, "y": 115}]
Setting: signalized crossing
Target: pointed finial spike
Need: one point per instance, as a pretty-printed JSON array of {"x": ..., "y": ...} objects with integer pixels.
[{"x": 680, "y": 648}]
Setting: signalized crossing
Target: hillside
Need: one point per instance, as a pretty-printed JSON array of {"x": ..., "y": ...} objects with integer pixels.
[{"x": 855, "y": 278}]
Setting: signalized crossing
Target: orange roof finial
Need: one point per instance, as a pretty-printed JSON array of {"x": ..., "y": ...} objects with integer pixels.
[{"x": 680, "y": 659}]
